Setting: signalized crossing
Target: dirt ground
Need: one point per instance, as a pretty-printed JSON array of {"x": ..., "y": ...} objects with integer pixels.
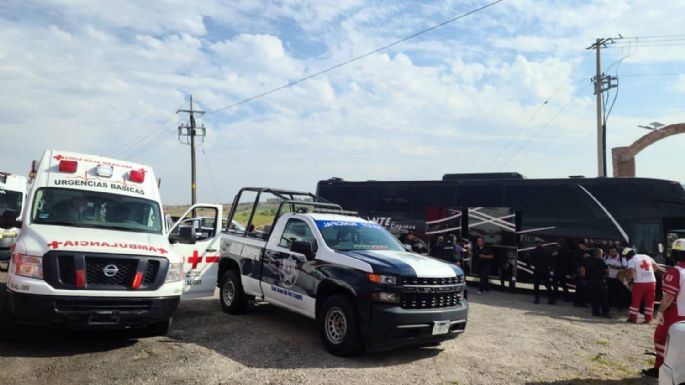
[{"x": 508, "y": 340}]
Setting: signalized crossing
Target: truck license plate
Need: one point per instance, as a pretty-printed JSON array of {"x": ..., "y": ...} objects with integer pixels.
[{"x": 441, "y": 327}]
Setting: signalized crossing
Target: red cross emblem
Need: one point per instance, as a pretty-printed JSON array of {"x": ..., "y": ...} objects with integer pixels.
[
  {"x": 162, "y": 251},
  {"x": 195, "y": 259},
  {"x": 645, "y": 265},
  {"x": 54, "y": 244},
  {"x": 58, "y": 157}
]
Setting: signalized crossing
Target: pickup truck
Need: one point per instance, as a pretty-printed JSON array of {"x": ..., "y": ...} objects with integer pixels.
[{"x": 363, "y": 287}]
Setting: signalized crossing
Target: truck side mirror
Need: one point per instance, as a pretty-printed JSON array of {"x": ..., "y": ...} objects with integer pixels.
[
  {"x": 302, "y": 247},
  {"x": 186, "y": 235}
]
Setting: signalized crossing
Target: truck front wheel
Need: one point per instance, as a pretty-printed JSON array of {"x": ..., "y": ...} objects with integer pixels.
[
  {"x": 232, "y": 297},
  {"x": 339, "y": 327}
]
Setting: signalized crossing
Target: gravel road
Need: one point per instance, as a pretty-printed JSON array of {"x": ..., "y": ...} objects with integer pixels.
[{"x": 508, "y": 340}]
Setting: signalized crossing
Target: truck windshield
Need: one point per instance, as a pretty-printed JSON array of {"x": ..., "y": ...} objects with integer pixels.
[
  {"x": 79, "y": 208},
  {"x": 349, "y": 235},
  {"x": 10, "y": 201}
]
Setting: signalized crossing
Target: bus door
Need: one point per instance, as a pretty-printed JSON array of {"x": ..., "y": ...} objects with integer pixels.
[{"x": 498, "y": 228}]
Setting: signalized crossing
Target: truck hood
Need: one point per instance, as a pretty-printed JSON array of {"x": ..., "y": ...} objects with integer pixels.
[
  {"x": 38, "y": 239},
  {"x": 404, "y": 264}
]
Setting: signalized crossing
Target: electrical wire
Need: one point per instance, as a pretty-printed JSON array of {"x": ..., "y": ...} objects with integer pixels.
[
  {"x": 356, "y": 58},
  {"x": 148, "y": 145},
  {"x": 535, "y": 113},
  {"x": 211, "y": 173},
  {"x": 137, "y": 142}
]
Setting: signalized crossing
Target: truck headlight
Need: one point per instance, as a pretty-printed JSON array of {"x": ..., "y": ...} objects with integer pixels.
[
  {"x": 383, "y": 279},
  {"x": 383, "y": 296},
  {"x": 175, "y": 272},
  {"x": 27, "y": 266}
]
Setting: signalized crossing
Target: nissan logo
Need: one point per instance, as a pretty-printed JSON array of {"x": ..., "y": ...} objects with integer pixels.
[{"x": 110, "y": 270}]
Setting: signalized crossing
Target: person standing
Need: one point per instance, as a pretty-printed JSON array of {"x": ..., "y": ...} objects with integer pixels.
[
  {"x": 540, "y": 259},
  {"x": 672, "y": 307},
  {"x": 615, "y": 288},
  {"x": 641, "y": 268},
  {"x": 560, "y": 268},
  {"x": 580, "y": 296},
  {"x": 484, "y": 256},
  {"x": 595, "y": 274}
]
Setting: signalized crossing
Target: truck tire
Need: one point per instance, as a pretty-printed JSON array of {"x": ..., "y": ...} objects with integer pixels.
[
  {"x": 231, "y": 295},
  {"x": 159, "y": 329},
  {"x": 339, "y": 326}
]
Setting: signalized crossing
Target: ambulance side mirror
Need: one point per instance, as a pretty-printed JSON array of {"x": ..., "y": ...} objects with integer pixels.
[{"x": 186, "y": 235}]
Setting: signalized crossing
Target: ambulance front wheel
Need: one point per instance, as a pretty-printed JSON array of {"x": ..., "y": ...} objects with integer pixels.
[{"x": 231, "y": 295}]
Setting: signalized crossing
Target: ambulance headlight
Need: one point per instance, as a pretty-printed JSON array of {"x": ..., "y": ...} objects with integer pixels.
[
  {"x": 175, "y": 272},
  {"x": 27, "y": 266}
]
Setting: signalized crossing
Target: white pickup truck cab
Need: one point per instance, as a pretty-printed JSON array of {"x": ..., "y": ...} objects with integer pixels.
[
  {"x": 12, "y": 196},
  {"x": 94, "y": 250}
]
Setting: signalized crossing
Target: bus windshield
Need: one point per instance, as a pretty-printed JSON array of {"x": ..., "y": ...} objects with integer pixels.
[
  {"x": 349, "y": 235},
  {"x": 80, "y": 208}
]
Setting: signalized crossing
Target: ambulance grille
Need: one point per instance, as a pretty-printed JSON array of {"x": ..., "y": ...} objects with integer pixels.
[
  {"x": 66, "y": 269},
  {"x": 151, "y": 272},
  {"x": 95, "y": 274}
]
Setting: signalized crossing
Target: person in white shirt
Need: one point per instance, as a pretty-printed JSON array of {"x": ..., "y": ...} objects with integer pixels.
[
  {"x": 641, "y": 268},
  {"x": 619, "y": 296}
]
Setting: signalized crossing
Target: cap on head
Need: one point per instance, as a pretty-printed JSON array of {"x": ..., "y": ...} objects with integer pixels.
[
  {"x": 678, "y": 244},
  {"x": 627, "y": 252}
]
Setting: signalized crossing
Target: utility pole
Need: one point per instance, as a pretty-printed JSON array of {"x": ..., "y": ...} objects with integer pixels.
[
  {"x": 599, "y": 80},
  {"x": 186, "y": 135}
]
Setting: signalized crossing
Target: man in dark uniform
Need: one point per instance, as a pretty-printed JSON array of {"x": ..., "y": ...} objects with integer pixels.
[
  {"x": 560, "y": 262},
  {"x": 484, "y": 256},
  {"x": 540, "y": 259},
  {"x": 596, "y": 271},
  {"x": 578, "y": 260}
]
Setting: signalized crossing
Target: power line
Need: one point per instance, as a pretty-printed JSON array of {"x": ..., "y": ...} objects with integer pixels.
[
  {"x": 655, "y": 74},
  {"x": 137, "y": 142},
  {"x": 530, "y": 119},
  {"x": 356, "y": 58},
  {"x": 535, "y": 134}
]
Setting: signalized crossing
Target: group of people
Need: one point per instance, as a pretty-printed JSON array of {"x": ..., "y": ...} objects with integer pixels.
[{"x": 605, "y": 277}]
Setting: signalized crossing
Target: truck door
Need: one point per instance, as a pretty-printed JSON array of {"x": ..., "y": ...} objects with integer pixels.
[
  {"x": 196, "y": 237},
  {"x": 286, "y": 275}
]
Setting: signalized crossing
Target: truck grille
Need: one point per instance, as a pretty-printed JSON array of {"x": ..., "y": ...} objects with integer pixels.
[
  {"x": 431, "y": 281},
  {"x": 431, "y": 293},
  {"x": 59, "y": 269},
  {"x": 430, "y": 300}
]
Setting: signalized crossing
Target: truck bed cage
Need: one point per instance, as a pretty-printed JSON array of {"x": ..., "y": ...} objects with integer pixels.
[{"x": 292, "y": 200}]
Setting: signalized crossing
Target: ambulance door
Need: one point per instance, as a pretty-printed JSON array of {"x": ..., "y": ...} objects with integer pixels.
[{"x": 196, "y": 237}]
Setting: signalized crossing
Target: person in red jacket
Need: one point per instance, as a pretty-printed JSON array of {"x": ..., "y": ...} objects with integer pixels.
[{"x": 672, "y": 307}]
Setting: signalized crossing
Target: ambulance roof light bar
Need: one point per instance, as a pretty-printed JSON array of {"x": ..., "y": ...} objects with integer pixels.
[
  {"x": 105, "y": 171},
  {"x": 137, "y": 176},
  {"x": 68, "y": 166}
]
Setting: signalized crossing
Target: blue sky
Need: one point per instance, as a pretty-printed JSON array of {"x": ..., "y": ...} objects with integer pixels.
[{"x": 100, "y": 78}]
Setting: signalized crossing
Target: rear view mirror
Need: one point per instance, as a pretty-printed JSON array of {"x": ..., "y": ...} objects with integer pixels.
[{"x": 302, "y": 247}]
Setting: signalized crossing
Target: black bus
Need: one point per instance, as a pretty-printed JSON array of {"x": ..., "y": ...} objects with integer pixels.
[{"x": 647, "y": 214}]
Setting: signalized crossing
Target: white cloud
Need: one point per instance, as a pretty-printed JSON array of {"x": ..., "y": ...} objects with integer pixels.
[{"x": 95, "y": 77}]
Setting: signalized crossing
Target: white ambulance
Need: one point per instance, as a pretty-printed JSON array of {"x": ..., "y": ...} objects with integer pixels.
[
  {"x": 12, "y": 196},
  {"x": 94, "y": 249}
]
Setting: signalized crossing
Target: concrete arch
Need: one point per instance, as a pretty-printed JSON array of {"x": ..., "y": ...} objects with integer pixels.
[{"x": 624, "y": 157}]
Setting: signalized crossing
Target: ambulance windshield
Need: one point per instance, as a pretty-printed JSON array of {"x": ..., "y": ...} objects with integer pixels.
[
  {"x": 79, "y": 208},
  {"x": 10, "y": 201}
]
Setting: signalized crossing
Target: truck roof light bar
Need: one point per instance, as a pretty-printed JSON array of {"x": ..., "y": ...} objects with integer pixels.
[{"x": 68, "y": 166}]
